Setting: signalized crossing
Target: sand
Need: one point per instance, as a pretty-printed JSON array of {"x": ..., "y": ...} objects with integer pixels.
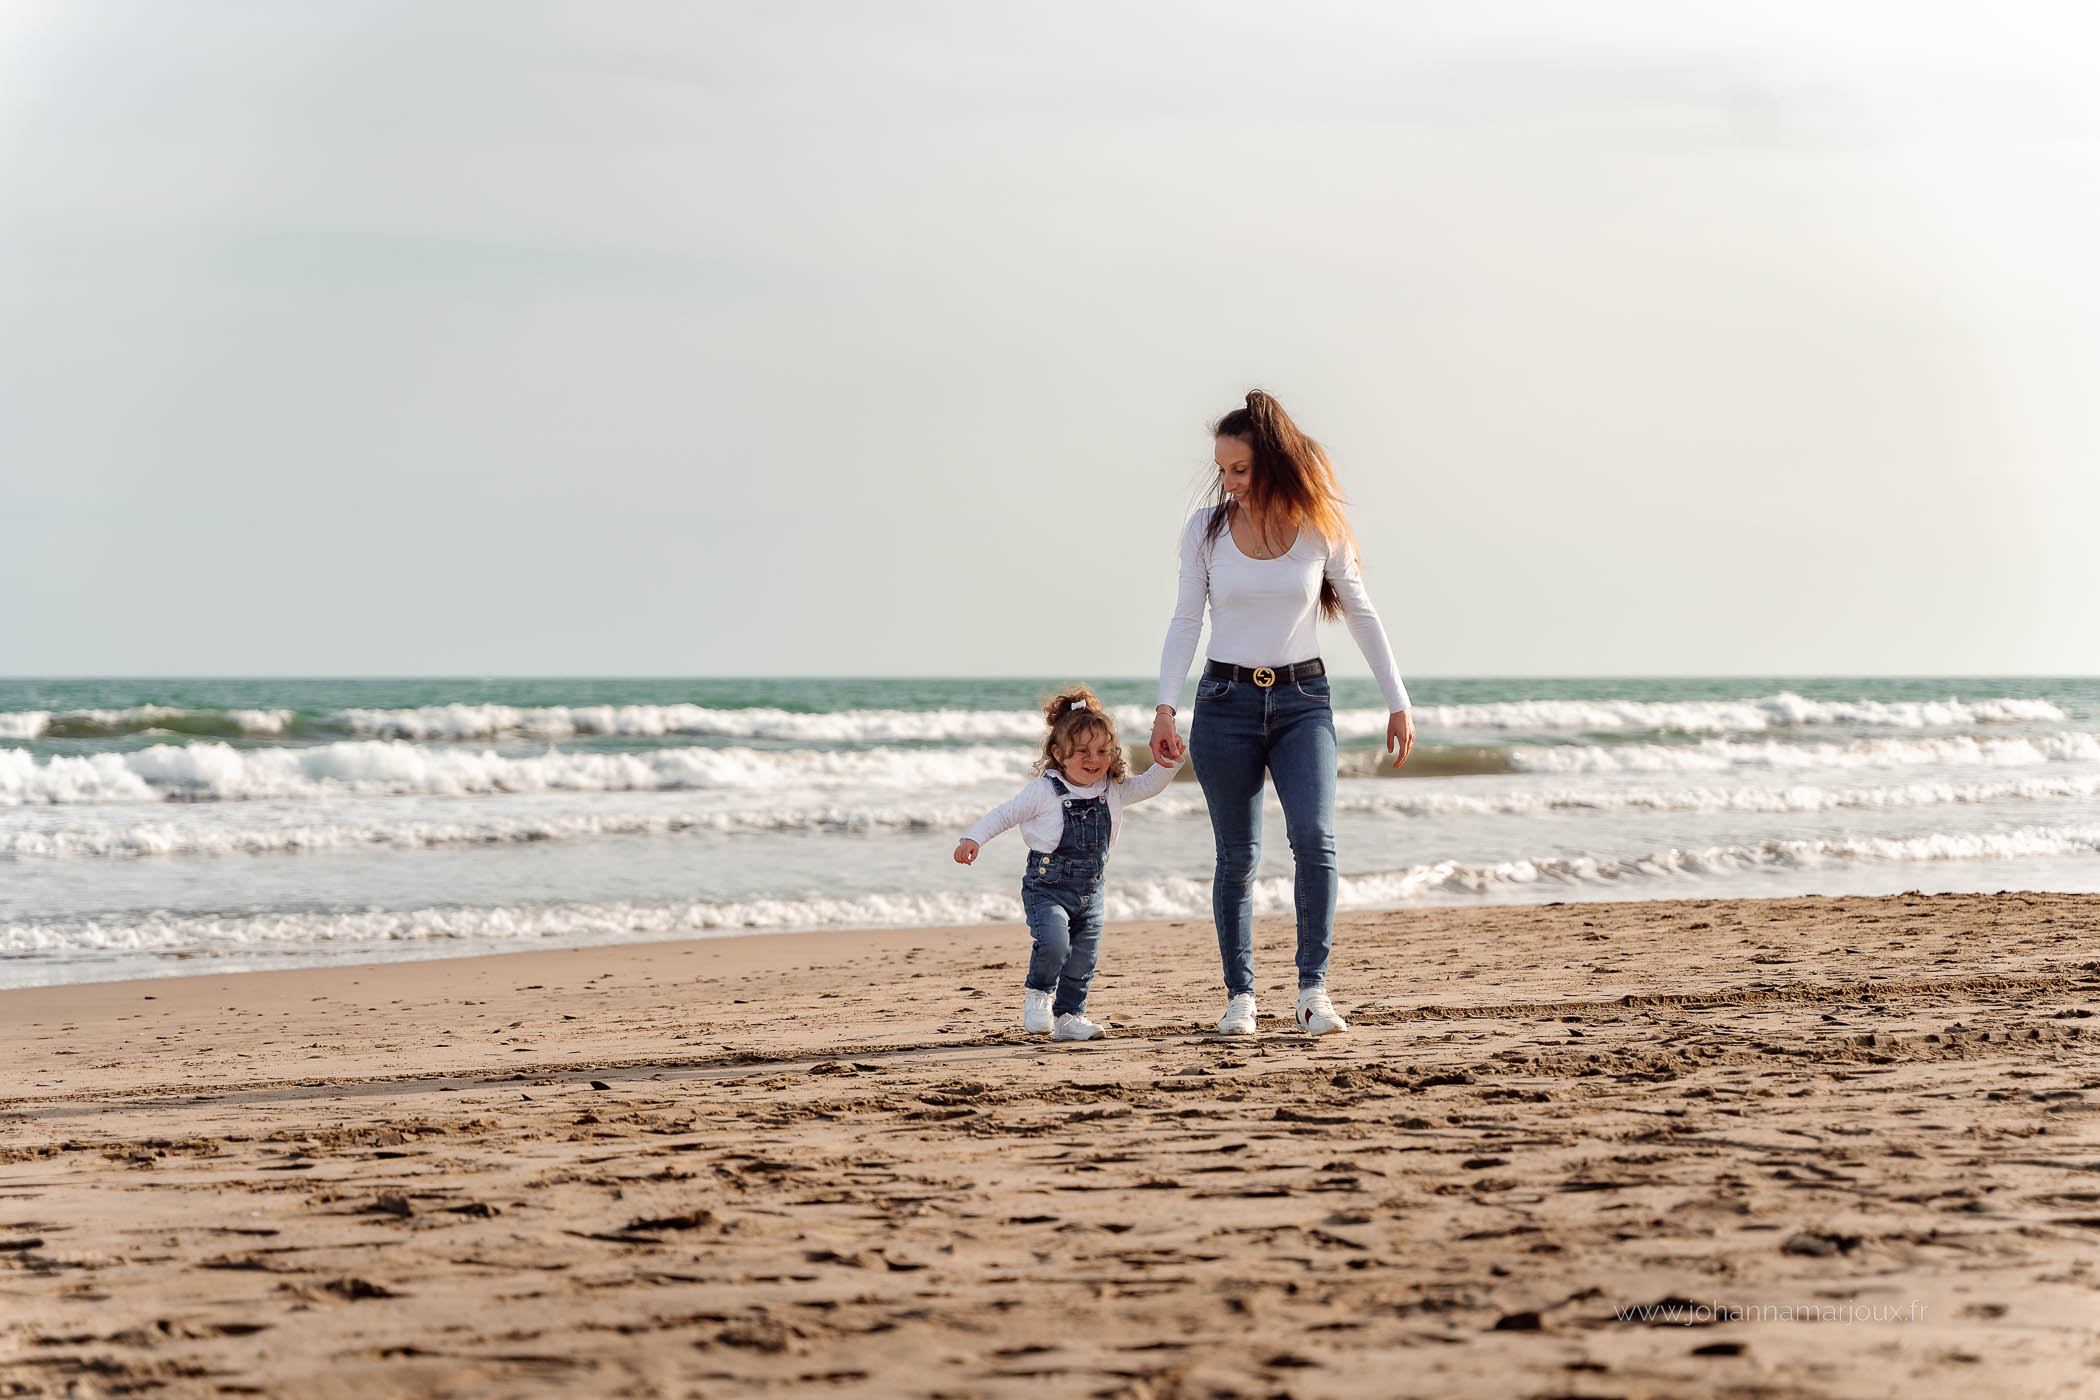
[{"x": 1836, "y": 1147}]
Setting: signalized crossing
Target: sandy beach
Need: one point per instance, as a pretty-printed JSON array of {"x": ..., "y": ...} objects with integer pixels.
[{"x": 1803, "y": 1147}]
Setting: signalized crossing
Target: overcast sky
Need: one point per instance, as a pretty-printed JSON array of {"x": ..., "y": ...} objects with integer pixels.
[{"x": 862, "y": 338}]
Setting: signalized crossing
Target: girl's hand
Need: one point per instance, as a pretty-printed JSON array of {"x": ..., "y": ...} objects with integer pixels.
[
  {"x": 965, "y": 852},
  {"x": 1166, "y": 740},
  {"x": 1400, "y": 734}
]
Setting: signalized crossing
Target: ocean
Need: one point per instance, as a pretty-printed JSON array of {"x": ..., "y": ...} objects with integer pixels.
[{"x": 163, "y": 827}]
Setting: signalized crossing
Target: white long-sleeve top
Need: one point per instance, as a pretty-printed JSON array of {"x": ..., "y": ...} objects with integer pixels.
[
  {"x": 1040, "y": 812},
  {"x": 1266, "y": 612}
]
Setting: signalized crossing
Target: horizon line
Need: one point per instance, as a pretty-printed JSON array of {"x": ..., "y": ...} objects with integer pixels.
[{"x": 1008, "y": 675}]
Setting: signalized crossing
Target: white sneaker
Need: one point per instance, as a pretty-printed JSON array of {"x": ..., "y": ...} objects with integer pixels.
[
  {"x": 1035, "y": 1011},
  {"x": 1239, "y": 1016},
  {"x": 1074, "y": 1025},
  {"x": 1316, "y": 1014}
]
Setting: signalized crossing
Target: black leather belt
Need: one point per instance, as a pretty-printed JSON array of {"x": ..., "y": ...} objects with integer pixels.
[{"x": 1265, "y": 676}]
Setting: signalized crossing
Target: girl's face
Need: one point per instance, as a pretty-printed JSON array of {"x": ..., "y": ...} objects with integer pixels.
[
  {"x": 1086, "y": 759},
  {"x": 1235, "y": 459}
]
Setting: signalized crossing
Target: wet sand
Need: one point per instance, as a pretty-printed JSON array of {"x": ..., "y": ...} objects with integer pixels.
[{"x": 1834, "y": 1147}]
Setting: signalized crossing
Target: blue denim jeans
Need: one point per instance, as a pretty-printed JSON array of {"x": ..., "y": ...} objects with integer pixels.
[
  {"x": 1240, "y": 731},
  {"x": 1065, "y": 922}
]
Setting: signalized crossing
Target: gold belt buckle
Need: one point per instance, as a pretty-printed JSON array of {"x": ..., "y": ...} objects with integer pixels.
[{"x": 1264, "y": 677}]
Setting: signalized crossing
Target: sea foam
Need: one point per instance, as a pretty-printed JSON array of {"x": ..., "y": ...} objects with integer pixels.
[
  {"x": 139, "y": 719},
  {"x": 1718, "y": 755},
  {"x": 175, "y": 838},
  {"x": 460, "y": 723},
  {"x": 212, "y": 771},
  {"x": 86, "y": 838},
  {"x": 293, "y": 933},
  {"x": 1784, "y": 710},
  {"x": 1781, "y": 711},
  {"x": 220, "y": 772}
]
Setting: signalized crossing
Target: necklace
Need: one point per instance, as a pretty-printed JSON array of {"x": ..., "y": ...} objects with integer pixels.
[{"x": 1263, "y": 548}]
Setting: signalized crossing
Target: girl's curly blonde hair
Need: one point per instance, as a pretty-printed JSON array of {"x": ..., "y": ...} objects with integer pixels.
[{"x": 1076, "y": 713}]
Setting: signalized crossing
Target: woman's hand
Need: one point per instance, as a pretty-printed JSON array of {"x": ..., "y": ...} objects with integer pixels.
[
  {"x": 966, "y": 852},
  {"x": 1400, "y": 734},
  {"x": 1166, "y": 740}
]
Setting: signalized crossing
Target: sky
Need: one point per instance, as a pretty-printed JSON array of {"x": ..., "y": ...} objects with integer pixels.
[{"x": 826, "y": 337}]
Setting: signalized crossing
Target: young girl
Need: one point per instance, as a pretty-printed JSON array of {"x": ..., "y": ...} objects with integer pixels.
[{"x": 1068, "y": 818}]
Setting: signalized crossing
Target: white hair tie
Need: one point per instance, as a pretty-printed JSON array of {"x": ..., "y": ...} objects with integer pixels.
[{"x": 1076, "y": 705}]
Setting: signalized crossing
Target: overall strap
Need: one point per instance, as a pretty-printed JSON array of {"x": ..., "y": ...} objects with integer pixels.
[{"x": 1059, "y": 784}]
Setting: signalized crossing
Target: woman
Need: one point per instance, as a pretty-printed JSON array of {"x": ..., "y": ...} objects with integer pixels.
[{"x": 1271, "y": 554}]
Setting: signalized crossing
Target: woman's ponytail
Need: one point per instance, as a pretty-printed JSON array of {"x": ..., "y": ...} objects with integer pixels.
[{"x": 1291, "y": 473}]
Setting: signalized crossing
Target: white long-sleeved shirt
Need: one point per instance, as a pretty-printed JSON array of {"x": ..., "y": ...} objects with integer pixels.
[
  {"x": 1265, "y": 612},
  {"x": 1040, "y": 812}
]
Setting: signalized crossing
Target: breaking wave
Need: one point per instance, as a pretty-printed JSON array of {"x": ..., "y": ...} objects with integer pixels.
[
  {"x": 220, "y": 772},
  {"x": 139, "y": 719},
  {"x": 215, "y": 771},
  {"x": 463, "y": 722},
  {"x": 1719, "y": 755},
  {"x": 89, "y": 840},
  {"x": 1785, "y": 710},
  {"x": 291, "y": 933},
  {"x": 175, "y": 839}
]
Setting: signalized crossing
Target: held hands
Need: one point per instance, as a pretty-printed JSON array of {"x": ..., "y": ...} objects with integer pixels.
[
  {"x": 1167, "y": 746},
  {"x": 966, "y": 852},
  {"x": 1400, "y": 734}
]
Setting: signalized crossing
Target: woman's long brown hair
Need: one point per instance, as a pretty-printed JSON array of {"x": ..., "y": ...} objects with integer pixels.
[{"x": 1290, "y": 474}]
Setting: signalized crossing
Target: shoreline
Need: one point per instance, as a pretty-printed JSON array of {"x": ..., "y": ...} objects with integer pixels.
[
  {"x": 178, "y": 967},
  {"x": 831, "y": 1163}
]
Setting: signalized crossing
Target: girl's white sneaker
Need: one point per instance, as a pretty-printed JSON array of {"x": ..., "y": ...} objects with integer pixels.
[
  {"x": 1074, "y": 1025},
  {"x": 1035, "y": 1011},
  {"x": 1239, "y": 1016},
  {"x": 1316, "y": 1014}
]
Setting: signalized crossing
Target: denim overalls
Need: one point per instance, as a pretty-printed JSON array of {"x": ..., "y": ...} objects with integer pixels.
[{"x": 1061, "y": 895}]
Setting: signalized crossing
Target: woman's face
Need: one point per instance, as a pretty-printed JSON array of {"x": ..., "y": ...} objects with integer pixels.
[{"x": 1235, "y": 459}]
